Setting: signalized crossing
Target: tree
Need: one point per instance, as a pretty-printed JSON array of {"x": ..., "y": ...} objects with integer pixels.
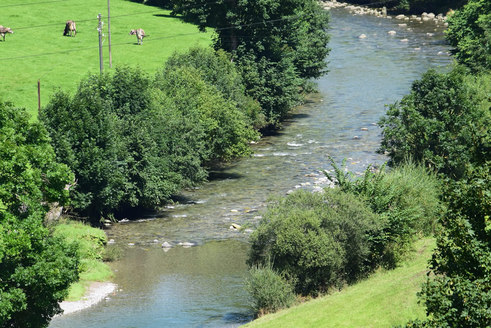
[
  {"x": 443, "y": 123},
  {"x": 469, "y": 33},
  {"x": 458, "y": 290},
  {"x": 36, "y": 268},
  {"x": 278, "y": 44}
]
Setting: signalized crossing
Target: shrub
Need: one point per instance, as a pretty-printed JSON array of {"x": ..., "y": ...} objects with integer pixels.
[
  {"x": 407, "y": 198},
  {"x": 317, "y": 241},
  {"x": 443, "y": 123},
  {"x": 269, "y": 290}
]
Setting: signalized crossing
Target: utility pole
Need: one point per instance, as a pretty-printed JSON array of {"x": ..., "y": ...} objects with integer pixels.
[
  {"x": 109, "y": 33},
  {"x": 39, "y": 98},
  {"x": 99, "y": 29}
]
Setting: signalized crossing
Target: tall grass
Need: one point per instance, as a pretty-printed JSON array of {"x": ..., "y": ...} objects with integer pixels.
[{"x": 38, "y": 50}]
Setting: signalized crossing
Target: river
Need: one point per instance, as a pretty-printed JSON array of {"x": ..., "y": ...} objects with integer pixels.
[{"x": 202, "y": 285}]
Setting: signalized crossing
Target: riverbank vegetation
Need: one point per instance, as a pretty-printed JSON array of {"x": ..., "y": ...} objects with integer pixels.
[
  {"x": 319, "y": 242},
  {"x": 443, "y": 125},
  {"x": 126, "y": 140},
  {"x": 36, "y": 267},
  {"x": 385, "y": 299}
]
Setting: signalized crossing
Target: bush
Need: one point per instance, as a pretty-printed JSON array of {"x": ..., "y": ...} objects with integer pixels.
[
  {"x": 317, "y": 241},
  {"x": 407, "y": 198},
  {"x": 443, "y": 123},
  {"x": 269, "y": 290}
]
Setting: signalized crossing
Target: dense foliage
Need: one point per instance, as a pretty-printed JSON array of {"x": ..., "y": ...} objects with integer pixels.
[
  {"x": 407, "y": 198},
  {"x": 459, "y": 293},
  {"x": 269, "y": 291},
  {"x": 317, "y": 241},
  {"x": 443, "y": 123},
  {"x": 217, "y": 69},
  {"x": 277, "y": 44},
  {"x": 35, "y": 267},
  {"x": 134, "y": 142},
  {"x": 469, "y": 33}
]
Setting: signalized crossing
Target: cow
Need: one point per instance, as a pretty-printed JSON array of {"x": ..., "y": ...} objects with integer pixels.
[
  {"x": 5, "y": 30},
  {"x": 140, "y": 34},
  {"x": 70, "y": 29}
]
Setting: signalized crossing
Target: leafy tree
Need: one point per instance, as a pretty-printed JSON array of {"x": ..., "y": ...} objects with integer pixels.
[
  {"x": 469, "y": 33},
  {"x": 134, "y": 142},
  {"x": 218, "y": 70},
  {"x": 278, "y": 44},
  {"x": 114, "y": 136},
  {"x": 36, "y": 268},
  {"x": 225, "y": 127},
  {"x": 443, "y": 123}
]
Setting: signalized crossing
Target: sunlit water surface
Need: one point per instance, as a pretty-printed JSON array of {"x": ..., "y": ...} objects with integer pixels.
[{"x": 202, "y": 286}]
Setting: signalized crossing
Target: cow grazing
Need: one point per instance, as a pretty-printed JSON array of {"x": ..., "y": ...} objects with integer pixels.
[
  {"x": 5, "y": 30},
  {"x": 70, "y": 28},
  {"x": 140, "y": 34}
]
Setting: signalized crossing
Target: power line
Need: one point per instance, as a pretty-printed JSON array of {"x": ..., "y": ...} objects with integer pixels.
[{"x": 154, "y": 38}]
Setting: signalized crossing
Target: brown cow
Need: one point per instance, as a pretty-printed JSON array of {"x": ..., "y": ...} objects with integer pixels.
[
  {"x": 140, "y": 34},
  {"x": 5, "y": 30},
  {"x": 70, "y": 29}
]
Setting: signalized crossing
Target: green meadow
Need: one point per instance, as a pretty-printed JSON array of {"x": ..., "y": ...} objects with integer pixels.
[
  {"x": 38, "y": 50},
  {"x": 385, "y": 299}
]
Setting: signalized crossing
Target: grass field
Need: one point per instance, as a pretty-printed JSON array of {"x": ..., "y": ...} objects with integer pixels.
[
  {"x": 386, "y": 299},
  {"x": 38, "y": 50}
]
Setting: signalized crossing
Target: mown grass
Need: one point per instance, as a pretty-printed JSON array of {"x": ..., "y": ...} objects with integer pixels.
[
  {"x": 38, "y": 50},
  {"x": 90, "y": 243},
  {"x": 385, "y": 299}
]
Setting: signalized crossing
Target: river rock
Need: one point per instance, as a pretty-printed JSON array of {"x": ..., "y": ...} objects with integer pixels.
[
  {"x": 362, "y": 36},
  {"x": 234, "y": 226},
  {"x": 111, "y": 241},
  {"x": 392, "y": 32},
  {"x": 364, "y": 129},
  {"x": 166, "y": 245},
  {"x": 400, "y": 16},
  {"x": 356, "y": 137},
  {"x": 187, "y": 244},
  {"x": 404, "y": 40}
]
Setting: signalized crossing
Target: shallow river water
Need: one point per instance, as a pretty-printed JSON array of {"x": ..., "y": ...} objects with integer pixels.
[{"x": 202, "y": 285}]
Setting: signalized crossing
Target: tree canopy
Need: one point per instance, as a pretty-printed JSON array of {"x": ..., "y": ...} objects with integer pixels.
[{"x": 35, "y": 267}]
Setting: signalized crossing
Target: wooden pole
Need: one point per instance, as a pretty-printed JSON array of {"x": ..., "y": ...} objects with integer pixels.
[
  {"x": 99, "y": 29},
  {"x": 109, "y": 33},
  {"x": 39, "y": 98}
]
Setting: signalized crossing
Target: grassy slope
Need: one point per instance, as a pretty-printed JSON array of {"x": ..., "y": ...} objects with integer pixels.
[
  {"x": 91, "y": 243},
  {"x": 385, "y": 299},
  {"x": 38, "y": 29}
]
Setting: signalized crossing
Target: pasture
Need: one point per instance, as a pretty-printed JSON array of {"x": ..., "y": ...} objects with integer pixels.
[{"x": 38, "y": 50}]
